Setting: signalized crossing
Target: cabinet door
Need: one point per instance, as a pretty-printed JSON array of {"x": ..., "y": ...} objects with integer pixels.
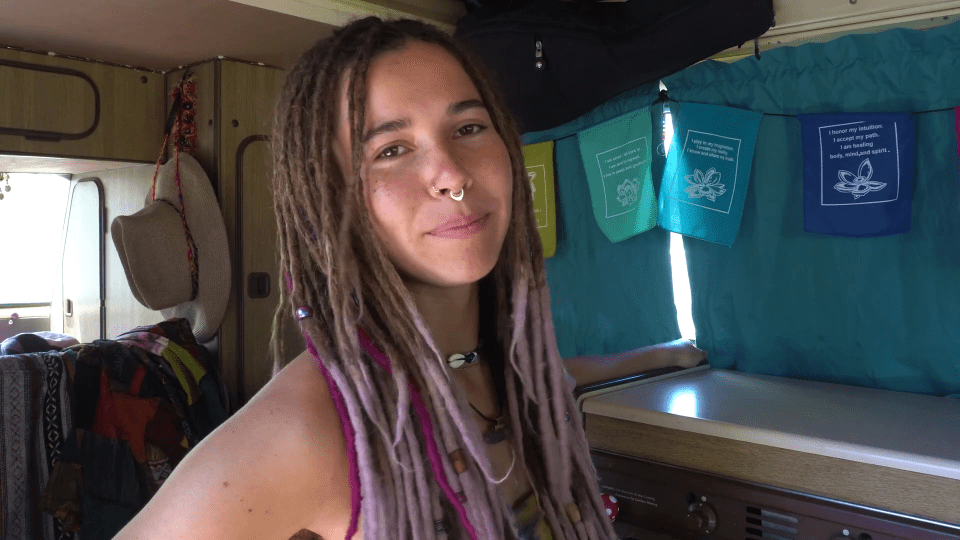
[
  {"x": 258, "y": 256},
  {"x": 247, "y": 97},
  {"x": 70, "y": 108}
]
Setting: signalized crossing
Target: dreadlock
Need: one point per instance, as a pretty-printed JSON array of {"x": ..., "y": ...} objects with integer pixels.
[{"x": 408, "y": 433}]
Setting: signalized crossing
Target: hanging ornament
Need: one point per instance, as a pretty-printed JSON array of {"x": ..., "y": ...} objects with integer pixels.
[{"x": 184, "y": 132}]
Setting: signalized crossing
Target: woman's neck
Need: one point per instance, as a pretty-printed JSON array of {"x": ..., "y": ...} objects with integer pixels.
[{"x": 451, "y": 313}]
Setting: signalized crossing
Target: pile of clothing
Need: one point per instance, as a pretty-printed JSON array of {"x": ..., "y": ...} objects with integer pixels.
[
  {"x": 90, "y": 432},
  {"x": 36, "y": 342}
]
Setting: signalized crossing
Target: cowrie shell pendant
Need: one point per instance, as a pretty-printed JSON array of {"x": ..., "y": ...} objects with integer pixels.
[{"x": 456, "y": 360}]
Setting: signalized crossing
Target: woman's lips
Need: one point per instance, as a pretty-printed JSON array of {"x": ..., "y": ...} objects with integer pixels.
[{"x": 464, "y": 227}]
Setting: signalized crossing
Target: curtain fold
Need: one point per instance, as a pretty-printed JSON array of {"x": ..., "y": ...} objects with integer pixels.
[
  {"x": 605, "y": 297},
  {"x": 876, "y": 312}
]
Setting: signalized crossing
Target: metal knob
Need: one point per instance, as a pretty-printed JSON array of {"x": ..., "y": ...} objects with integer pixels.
[{"x": 701, "y": 518}]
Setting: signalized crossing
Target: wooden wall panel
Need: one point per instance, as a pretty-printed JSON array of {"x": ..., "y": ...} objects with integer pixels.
[
  {"x": 208, "y": 135},
  {"x": 131, "y": 109},
  {"x": 235, "y": 103},
  {"x": 206, "y": 114},
  {"x": 257, "y": 254},
  {"x": 247, "y": 97},
  {"x": 880, "y": 487}
]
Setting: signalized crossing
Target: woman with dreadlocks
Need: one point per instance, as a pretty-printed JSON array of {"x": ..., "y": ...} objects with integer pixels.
[{"x": 431, "y": 401}]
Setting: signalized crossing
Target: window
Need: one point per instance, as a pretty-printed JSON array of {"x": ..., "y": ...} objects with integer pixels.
[
  {"x": 678, "y": 258},
  {"x": 31, "y": 224}
]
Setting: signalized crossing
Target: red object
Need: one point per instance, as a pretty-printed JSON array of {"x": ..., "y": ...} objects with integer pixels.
[
  {"x": 124, "y": 417},
  {"x": 184, "y": 132},
  {"x": 611, "y": 504},
  {"x": 106, "y": 422},
  {"x": 137, "y": 381}
]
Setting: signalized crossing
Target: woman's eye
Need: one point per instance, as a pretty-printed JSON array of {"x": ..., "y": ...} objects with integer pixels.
[
  {"x": 390, "y": 152},
  {"x": 471, "y": 129}
]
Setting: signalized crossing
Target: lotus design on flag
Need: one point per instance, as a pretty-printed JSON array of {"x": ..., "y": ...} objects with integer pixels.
[
  {"x": 533, "y": 187},
  {"x": 858, "y": 184},
  {"x": 627, "y": 191},
  {"x": 705, "y": 184}
]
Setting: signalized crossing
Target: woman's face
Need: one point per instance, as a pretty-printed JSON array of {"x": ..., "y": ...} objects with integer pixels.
[{"x": 428, "y": 135}]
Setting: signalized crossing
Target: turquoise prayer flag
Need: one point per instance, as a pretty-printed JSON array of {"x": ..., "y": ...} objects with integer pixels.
[
  {"x": 616, "y": 159},
  {"x": 707, "y": 172}
]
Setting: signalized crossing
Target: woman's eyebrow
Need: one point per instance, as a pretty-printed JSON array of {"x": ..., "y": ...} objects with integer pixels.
[
  {"x": 397, "y": 125},
  {"x": 386, "y": 127},
  {"x": 464, "y": 105}
]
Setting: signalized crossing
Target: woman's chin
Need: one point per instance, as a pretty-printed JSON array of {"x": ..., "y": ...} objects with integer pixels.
[{"x": 452, "y": 274}]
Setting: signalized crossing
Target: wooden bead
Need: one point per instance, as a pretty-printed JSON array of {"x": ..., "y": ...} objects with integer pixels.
[
  {"x": 459, "y": 461},
  {"x": 573, "y": 512}
]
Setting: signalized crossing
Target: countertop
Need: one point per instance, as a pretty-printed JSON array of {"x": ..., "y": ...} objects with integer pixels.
[{"x": 900, "y": 430}]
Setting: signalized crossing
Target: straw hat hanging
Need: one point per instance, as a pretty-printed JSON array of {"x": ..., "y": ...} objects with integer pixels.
[
  {"x": 155, "y": 250},
  {"x": 174, "y": 252}
]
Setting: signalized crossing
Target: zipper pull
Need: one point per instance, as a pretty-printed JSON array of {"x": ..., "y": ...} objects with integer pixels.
[{"x": 539, "y": 64}]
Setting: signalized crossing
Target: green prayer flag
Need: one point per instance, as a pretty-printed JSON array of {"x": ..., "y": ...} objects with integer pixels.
[
  {"x": 616, "y": 158},
  {"x": 538, "y": 159}
]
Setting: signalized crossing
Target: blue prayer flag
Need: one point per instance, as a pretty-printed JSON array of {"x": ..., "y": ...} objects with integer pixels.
[{"x": 857, "y": 173}]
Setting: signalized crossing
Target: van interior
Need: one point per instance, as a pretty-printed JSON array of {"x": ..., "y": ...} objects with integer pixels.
[{"x": 830, "y": 406}]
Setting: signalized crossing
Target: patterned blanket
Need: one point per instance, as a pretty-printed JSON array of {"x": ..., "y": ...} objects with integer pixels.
[{"x": 34, "y": 420}]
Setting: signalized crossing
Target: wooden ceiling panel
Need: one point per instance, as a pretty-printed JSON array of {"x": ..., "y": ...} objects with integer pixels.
[{"x": 159, "y": 35}]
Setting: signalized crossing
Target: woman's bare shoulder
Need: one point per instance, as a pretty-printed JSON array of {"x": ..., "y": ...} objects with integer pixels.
[{"x": 278, "y": 465}]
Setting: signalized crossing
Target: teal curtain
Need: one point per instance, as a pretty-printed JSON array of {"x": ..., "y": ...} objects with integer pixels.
[
  {"x": 875, "y": 312},
  {"x": 605, "y": 297}
]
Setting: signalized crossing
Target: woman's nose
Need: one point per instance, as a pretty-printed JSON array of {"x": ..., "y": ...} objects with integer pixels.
[{"x": 448, "y": 172}]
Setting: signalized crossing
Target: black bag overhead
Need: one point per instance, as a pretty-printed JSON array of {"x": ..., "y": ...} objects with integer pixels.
[{"x": 556, "y": 60}]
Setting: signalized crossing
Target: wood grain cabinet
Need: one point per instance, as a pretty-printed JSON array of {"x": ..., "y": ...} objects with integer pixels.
[
  {"x": 71, "y": 108},
  {"x": 234, "y": 114}
]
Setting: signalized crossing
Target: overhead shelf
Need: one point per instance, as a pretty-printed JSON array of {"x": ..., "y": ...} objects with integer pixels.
[{"x": 799, "y": 22}]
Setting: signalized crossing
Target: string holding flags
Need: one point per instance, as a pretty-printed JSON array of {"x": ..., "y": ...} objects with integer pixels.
[{"x": 705, "y": 180}]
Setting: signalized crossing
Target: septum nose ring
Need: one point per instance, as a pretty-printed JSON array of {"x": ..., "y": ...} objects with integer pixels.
[{"x": 458, "y": 196}]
